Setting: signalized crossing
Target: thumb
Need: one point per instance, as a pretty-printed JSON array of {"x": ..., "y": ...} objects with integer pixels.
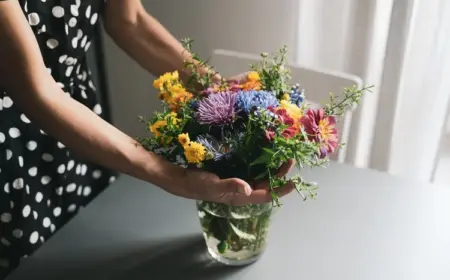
[{"x": 235, "y": 185}]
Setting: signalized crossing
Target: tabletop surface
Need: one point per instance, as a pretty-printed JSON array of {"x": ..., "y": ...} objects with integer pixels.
[{"x": 364, "y": 225}]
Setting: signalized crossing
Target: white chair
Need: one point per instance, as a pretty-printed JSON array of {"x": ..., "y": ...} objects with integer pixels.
[{"x": 317, "y": 84}]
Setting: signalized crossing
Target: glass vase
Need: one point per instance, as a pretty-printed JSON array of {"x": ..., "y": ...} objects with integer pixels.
[{"x": 235, "y": 235}]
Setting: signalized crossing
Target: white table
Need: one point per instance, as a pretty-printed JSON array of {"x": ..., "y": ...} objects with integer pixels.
[{"x": 364, "y": 225}]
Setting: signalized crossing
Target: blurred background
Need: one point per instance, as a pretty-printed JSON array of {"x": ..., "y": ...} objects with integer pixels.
[{"x": 400, "y": 46}]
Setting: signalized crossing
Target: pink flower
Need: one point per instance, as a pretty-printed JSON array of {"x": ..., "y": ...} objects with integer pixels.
[
  {"x": 269, "y": 134},
  {"x": 321, "y": 129}
]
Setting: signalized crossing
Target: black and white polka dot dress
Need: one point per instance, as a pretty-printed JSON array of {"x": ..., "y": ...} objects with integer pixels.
[{"x": 42, "y": 184}]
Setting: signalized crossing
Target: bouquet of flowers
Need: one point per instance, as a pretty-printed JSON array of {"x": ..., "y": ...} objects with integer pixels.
[{"x": 245, "y": 130}]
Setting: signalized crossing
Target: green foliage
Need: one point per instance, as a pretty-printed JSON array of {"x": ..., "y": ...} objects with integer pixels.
[{"x": 274, "y": 73}]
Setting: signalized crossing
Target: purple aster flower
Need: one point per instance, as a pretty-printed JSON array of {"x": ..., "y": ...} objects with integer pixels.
[
  {"x": 217, "y": 109},
  {"x": 248, "y": 100}
]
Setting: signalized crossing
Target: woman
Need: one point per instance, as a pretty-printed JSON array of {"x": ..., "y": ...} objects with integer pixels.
[{"x": 56, "y": 152}]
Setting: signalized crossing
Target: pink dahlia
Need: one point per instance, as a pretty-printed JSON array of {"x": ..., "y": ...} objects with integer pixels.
[{"x": 321, "y": 129}]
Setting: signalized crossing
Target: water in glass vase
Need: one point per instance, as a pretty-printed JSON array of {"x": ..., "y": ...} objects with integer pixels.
[{"x": 235, "y": 235}]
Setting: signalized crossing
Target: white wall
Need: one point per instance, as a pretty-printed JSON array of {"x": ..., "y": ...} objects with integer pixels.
[{"x": 242, "y": 25}]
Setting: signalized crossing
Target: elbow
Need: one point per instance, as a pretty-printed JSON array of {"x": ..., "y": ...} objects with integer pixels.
[{"x": 121, "y": 21}]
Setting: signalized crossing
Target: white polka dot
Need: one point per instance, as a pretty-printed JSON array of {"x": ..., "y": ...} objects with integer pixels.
[
  {"x": 98, "y": 109},
  {"x": 33, "y": 19},
  {"x": 62, "y": 58},
  {"x": 83, "y": 94},
  {"x": 11, "y": 204},
  {"x": 83, "y": 169},
  {"x": 72, "y": 22},
  {"x": 78, "y": 169},
  {"x": 24, "y": 118},
  {"x": 17, "y": 233},
  {"x": 49, "y": 202},
  {"x": 71, "y": 208},
  {"x": 38, "y": 197},
  {"x": 2, "y": 138},
  {"x": 59, "y": 191},
  {"x": 45, "y": 180},
  {"x": 32, "y": 145},
  {"x": 58, "y": 11},
  {"x": 60, "y": 145},
  {"x": 57, "y": 211},
  {"x": 69, "y": 71},
  {"x": 27, "y": 189},
  {"x": 75, "y": 43},
  {"x": 91, "y": 85},
  {"x": 32, "y": 171},
  {"x": 79, "y": 190},
  {"x": 35, "y": 215},
  {"x": 46, "y": 222},
  {"x": 112, "y": 179},
  {"x": 96, "y": 174},
  {"x": 52, "y": 43},
  {"x": 4, "y": 263},
  {"x": 7, "y": 188},
  {"x": 79, "y": 34},
  {"x": 87, "y": 191},
  {"x": 70, "y": 165},
  {"x": 20, "y": 159},
  {"x": 7, "y": 102},
  {"x": 43, "y": 29},
  {"x": 47, "y": 157},
  {"x": 26, "y": 7},
  {"x": 14, "y": 132},
  {"x": 83, "y": 41},
  {"x": 87, "y": 46},
  {"x": 88, "y": 12},
  {"x": 94, "y": 18},
  {"x": 8, "y": 154},
  {"x": 61, "y": 169},
  {"x": 6, "y": 218},
  {"x": 26, "y": 211},
  {"x": 5, "y": 242},
  {"x": 52, "y": 228},
  {"x": 74, "y": 10},
  {"x": 71, "y": 187},
  {"x": 78, "y": 3},
  {"x": 18, "y": 184},
  {"x": 34, "y": 237},
  {"x": 42, "y": 132}
]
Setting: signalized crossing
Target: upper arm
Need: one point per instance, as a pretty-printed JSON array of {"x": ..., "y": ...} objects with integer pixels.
[
  {"x": 119, "y": 12},
  {"x": 21, "y": 63}
]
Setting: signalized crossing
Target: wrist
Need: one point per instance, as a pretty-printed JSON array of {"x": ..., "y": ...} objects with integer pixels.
[{"x": 163, "y": 173}]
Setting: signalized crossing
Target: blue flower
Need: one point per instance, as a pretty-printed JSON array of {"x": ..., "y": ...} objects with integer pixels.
[
  {"x": 297, "y": 95},
  {"x": 247, "y": 100},
  {"x": 211, "y": 144}
]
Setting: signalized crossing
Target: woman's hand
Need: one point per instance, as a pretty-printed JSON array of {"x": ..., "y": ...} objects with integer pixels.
[{"x": 201, "y": 185}]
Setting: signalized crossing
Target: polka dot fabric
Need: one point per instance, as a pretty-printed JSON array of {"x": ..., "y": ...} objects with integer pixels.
[{"x": 42, "y": 184}]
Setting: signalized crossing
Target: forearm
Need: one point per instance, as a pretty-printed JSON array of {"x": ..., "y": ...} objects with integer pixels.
[
  {"x": 88, "y": 135},
  {"x": 24, "y": 77},
  {"x": 144, "y": 39}
]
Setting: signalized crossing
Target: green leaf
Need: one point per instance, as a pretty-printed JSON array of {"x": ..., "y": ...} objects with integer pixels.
[{"x": 266, "y": 156}]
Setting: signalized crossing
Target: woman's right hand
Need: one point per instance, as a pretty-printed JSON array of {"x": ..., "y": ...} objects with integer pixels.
[{"x": 201, "y": 185}]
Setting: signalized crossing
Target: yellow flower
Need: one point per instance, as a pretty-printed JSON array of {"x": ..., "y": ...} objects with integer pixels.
[
  {"x": 286, "y": 97},
  {"x": 293, "y": 111},
  {"x": 183, "y": 138},
  {"x": 166, "y": 78},
  {"x": 194, "y": 152},
  {"x": 253, "y": 76},
  {"x": 155, "y": 128}
]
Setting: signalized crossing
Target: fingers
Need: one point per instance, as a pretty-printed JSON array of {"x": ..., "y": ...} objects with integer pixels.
[
  {"x": 261, "y": 196},
  {"x": 285, "y": 168},
  {"x": 234, "y": 186}
]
